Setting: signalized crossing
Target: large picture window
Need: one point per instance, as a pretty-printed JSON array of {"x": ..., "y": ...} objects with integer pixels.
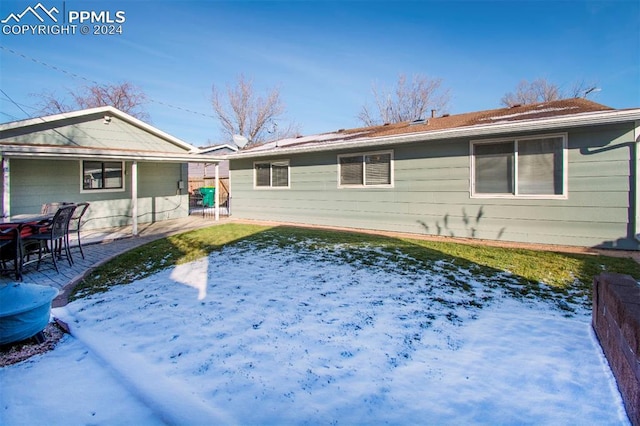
[
  {"x": 521, "y": 167},
  {"x": 99, "y": 175},
  {"x": 274, "y": 174},
  {"x": 371, "y": 169}
]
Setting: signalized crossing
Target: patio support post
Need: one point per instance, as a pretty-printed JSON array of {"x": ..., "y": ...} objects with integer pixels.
[
  {"x": 216, "y": 194},
  {"x": 6, "y": 194},
  {"x": 636, "y": 195},
  {"x": 134, "y": 198}
]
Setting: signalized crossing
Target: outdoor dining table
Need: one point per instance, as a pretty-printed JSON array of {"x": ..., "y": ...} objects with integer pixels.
[
  {"x": 21, "y": 222},
  {"x": 21, "y": 219}
]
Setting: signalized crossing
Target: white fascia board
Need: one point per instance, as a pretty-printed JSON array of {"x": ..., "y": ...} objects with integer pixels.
[
  {"x": 107, "y": 110},
  {"x": 39, "y": 152},
  {"x": 476, "y": 131},
  {"x": 216, "y": 148}
]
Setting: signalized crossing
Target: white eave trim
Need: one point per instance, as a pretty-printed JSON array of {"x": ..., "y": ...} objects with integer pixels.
[
  {"x": 217, "y": 148},
  {"x": 39, "y": 152},
  {"x": 107, "y": 110},
  {"x": 480, "y": 130}
]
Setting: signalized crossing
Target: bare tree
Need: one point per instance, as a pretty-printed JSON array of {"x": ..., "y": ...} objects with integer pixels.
[
  {"x": 540, "y": 90},
  {"x": 124, "y": 96},
  {"x": 582, "y": 89},
  {"x": 242, "y": 111},
  {"x": 411, "y": 99}
]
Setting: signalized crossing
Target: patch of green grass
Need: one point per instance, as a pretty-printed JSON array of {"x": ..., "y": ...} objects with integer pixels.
[
  {"x": 560, "y": 277},
  {"x": 564, "y": 273}
]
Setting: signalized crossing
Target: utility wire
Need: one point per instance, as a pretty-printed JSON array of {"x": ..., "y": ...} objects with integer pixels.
[
  {"x": 15, "y": 103},
  {"x": 74, "y": 75}
]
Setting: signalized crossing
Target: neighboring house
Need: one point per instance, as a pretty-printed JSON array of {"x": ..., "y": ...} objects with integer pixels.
[
  {"x": 203, "y": 174},
  {"x": 561, "y": 172},
  {"x": 129, "y": 171}
]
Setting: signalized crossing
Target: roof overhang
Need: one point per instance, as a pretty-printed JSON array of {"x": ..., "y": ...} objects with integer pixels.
[
  {"x": 61, "y": 153},
  {"x": 475, "y": 131}
]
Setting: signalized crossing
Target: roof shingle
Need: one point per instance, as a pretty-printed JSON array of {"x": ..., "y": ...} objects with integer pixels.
[{"x": 444, "y": 122}]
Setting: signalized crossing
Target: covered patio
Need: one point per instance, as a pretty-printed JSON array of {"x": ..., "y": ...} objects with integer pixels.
[{"x": 131, "y": 172}]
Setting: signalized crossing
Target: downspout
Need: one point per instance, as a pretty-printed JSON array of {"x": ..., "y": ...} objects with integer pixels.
[
  {"x": 134, "y": 198},
  {"x": 216, "y": 194},
  {"x": 636, "y": 196},
  {"x": 6, "y": 193}
]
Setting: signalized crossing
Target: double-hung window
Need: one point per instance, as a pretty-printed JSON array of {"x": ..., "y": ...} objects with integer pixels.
[
  {"x": 369, "y": 169},
  {"x": 271, "y": 174},
  {"x": 102, "y": 176},
  {"x": 528, "y": 167}
]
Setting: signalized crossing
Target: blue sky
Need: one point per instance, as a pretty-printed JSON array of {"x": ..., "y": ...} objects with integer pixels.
[{"x": 324, "y": 55}]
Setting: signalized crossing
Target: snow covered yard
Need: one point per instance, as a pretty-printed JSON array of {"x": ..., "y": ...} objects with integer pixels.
[{"x": 309, "y": 333}]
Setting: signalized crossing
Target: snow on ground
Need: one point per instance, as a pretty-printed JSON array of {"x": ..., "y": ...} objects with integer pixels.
[{"x": 298, "y": 335}]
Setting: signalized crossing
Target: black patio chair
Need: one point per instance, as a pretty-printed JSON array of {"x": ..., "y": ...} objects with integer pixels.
[
  {"x": 10, "y": 250},
  {"x": 51, "y": 237},
  {"x": 76, "y": 222}
]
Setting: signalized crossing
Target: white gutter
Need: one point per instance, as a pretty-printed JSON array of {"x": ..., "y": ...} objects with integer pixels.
[
  {"x": 35, "y": 151},
  {"x": 575, "y": 120}
]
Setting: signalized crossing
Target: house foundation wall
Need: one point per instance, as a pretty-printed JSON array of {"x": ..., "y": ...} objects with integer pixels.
[{"x": 616, "y": 321}]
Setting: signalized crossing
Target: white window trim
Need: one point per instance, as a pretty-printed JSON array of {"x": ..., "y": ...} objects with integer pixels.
[
  {"x": 102, "y": 190},
  {"x": 271, "y": 187},
  {"x": 363, "y": 154},
  {"x": 565, "y": 168}
]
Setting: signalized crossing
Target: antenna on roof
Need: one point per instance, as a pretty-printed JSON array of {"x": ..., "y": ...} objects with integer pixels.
[
  {"x": 590, "y": 90},
  {"x": 240, "y": 141}
]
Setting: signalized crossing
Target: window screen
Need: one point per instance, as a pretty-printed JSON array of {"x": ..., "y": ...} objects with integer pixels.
[
  {"x": 272, "y": 174},
  {"x": 540, "y": 166},
  {"x": 494, "y": 168},
  {"x": 378, "y": 169},
  {"x": 263, "y": 174},
  {"x": 365, "y": 169},
  {"x": 532, "y": 166},
  {"x": 351, "y": 170},
  {"x": 280, "y": 174}
]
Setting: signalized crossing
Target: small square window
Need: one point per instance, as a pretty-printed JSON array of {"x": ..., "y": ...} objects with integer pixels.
[
  {"x": 273, "y": 174},
  {"x": 371, "y": 169},
  {"x": 99, "y": 175}
]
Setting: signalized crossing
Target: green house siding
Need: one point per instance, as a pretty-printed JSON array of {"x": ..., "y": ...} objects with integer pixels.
[
  {"x": 431, "y": 194},
  {"x": 35, "y": 182},
  {"x": 91, "y": 132}
]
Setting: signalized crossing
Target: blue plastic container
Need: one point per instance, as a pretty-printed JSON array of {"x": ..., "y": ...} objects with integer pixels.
[{"x": 25, "y": 310}]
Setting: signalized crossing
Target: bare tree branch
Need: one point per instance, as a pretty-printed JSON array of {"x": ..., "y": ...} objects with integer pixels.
[
  {"x": 244, "y": 112},
  {"x": 540, "y": 90},
  {"x": 410, "y": 100},
  {"x": 124, "y": 96},
  {"x": 582, "y": 89}
]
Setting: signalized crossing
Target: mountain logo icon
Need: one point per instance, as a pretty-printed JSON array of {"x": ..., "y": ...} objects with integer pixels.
[{"x": 38, "y": 11}]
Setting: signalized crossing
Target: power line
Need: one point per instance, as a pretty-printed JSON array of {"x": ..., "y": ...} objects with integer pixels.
[
  {"x": 15, "y": 103},
  {"x": 74, "y": 75},
  {"x": 53, "y": 67},
  {"x": 10, "y": 115}
]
